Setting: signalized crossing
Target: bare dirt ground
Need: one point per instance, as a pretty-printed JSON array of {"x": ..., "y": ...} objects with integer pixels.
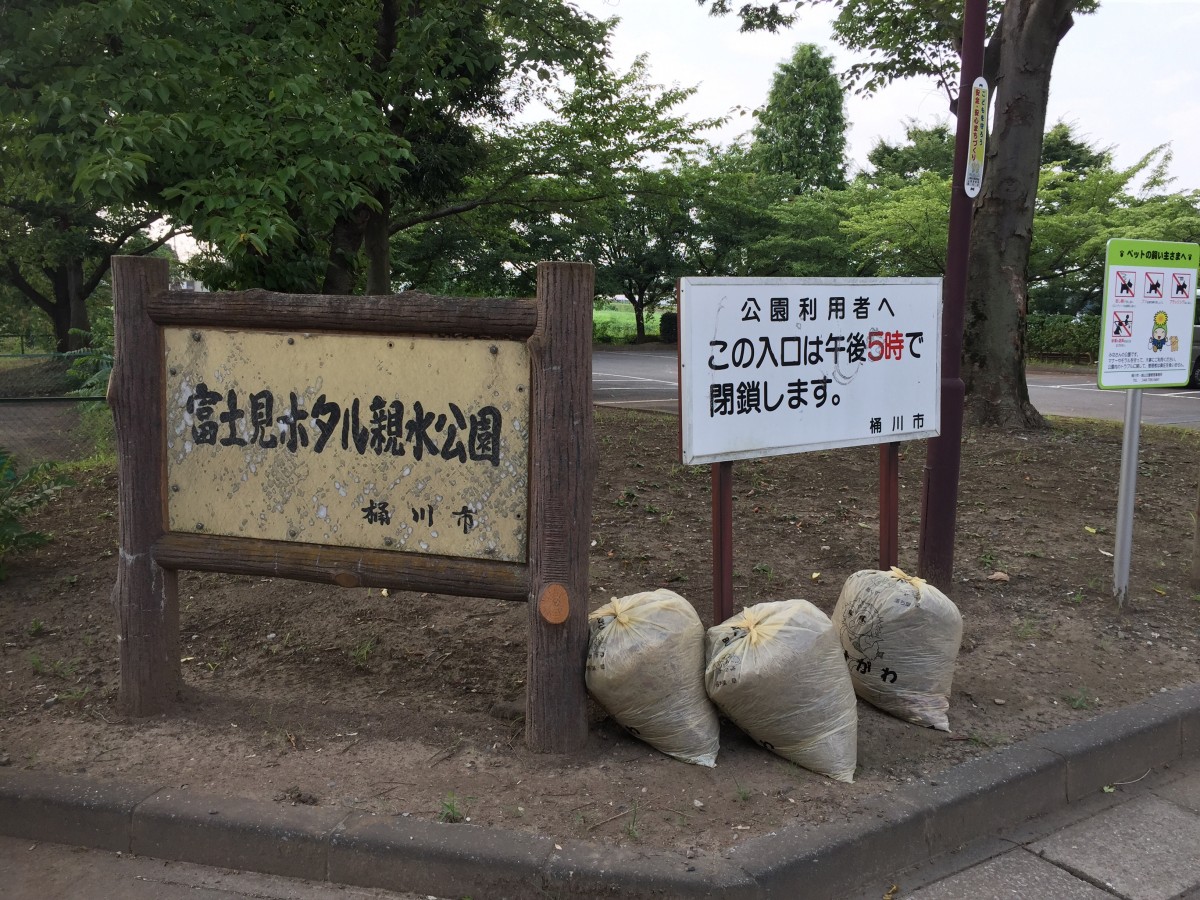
[{"x": 410, "y": 704}]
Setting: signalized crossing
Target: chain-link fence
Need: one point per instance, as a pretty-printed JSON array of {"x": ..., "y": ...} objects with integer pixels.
[{"x": 40, "y": 420}]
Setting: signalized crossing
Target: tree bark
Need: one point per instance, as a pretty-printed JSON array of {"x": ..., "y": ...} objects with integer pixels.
[
  {"x": 377, "y": 240},
  {"x": 70, "y": 307},
  {"x": 994, "y": 338},
  {"x": 344, "y": 244}
]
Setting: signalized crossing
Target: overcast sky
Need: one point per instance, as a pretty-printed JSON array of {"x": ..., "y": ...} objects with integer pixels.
[{"x": 1126, "y": 76}]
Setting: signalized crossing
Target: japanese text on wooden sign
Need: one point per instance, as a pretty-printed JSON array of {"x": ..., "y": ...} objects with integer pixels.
[
  {"x": 411, "y": 444},
  {"x": 774, "y": 365},
  {"x": 1149, "y": 309}
]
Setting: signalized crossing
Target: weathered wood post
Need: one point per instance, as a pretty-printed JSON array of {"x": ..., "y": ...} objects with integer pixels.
[
  {"x": 145, "y": 597},
  {"x": 563, "y": 461}
]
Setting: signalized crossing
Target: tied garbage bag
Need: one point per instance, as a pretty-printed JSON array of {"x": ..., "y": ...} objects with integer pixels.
[
  {"x": 901, "y": 637},
  {"x": 645, "y": 666},
  {"x": 778, "y": 672}
]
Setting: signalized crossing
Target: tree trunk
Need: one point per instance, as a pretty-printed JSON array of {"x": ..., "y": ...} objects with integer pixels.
[
  {"x": 378, "y": 246},
  {"x": 638, "y": 302},
  {"x": 344, "y": 244},
  {"x": 994, "y": 337},
  {"x": 72, "y": 327}
]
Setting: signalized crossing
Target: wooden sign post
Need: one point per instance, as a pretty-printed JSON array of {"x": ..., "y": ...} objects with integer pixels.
[{"x": 423, "y": 443}]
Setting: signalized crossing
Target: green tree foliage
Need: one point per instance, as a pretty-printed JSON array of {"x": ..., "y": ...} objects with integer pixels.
[
  {"x": 801, "y": 131},
  {"x": 531, "y": 199},
  {"x": 731, "y": 203},
  {"x": 55, "y": 239},
  {"x": 1063, "y": 150},
  {"x": 897, "y": 225},
  {"x": 900, "y": 229},
  {"x": 748, "y": 222},
  {"x": 906, "y": 38},
  {"x": 632, "y": 238},
  {"x": 1081, "y": 207},
  {"x": 290, "y": 138},
  {"x": 926, "y": 150}
]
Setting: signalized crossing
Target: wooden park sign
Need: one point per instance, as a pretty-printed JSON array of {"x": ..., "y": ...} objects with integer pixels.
[{"x": 411, "y": 442}]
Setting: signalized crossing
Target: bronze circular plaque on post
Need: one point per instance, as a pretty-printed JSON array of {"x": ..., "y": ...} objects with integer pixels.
[{"x": 554, "y": 605}]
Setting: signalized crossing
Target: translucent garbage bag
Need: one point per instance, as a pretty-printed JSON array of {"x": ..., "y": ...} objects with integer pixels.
[
  {"x": 777, "y": 670},
  {"x": 901, "y": 637},
  {"x": 645, "y": 666}
]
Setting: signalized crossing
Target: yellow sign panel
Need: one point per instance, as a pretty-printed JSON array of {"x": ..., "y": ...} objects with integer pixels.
[{"x": 404, "y": 443}]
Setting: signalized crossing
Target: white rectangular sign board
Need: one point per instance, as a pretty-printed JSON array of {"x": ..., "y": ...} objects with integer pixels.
[
  {"x": 785, "y": 365},
  {"x": 1149, "y": 308}
]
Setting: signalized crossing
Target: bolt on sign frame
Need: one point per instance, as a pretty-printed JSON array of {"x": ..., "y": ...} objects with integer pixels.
[{"x": 311, "y": 515}]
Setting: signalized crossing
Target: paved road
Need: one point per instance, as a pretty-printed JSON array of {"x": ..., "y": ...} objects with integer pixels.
[
  {"x": 648, "y": 378},
  {"x": 637, "y": 378}
]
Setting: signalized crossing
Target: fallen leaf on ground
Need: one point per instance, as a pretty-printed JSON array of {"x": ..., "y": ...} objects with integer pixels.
[{"x": 998, "y": 576}]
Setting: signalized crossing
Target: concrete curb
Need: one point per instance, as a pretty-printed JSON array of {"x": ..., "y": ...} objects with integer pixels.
[{"x": 973, "y": 800}]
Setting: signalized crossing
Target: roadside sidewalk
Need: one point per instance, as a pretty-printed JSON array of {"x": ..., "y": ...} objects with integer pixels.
[{"x": 1141, "y": 841}]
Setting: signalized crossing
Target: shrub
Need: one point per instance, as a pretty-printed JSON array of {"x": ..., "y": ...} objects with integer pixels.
[
  {"x": 668, "y": 327},
  {"x": 1051, "y": 336},
  {"x": 19, "y": 493}
]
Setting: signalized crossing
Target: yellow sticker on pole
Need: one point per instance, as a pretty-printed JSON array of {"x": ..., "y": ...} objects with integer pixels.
[{"x": 977, "y": 140}]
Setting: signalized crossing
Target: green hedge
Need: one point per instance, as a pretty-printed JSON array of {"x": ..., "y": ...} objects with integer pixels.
[{"x": 1058, "y": 336}]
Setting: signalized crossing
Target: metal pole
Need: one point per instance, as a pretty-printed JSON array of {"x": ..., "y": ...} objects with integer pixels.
[
  {"x": 889, "y": 505},
  {"x": 939, "y": 491},
  {"x": 722, "y": 540},
  {"x": 1129, "y": 460}
]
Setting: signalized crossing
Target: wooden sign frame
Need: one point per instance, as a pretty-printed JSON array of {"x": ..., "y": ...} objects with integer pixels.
[{"x": 557, "y": 327}]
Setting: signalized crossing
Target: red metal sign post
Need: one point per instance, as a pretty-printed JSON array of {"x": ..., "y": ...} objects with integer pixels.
[{"x": 939, "y": 494}]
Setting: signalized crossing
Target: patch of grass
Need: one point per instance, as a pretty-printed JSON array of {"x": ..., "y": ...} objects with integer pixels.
[
  {"x": 743, "y": 794},
  {"x": 1079, "y": 700},
  {"x": 362, "y": 653},
  {"x": 450, "y": 811},
  {"x": 631, "y": 826},
  {"x": 617, "y": 325},
  {"x": 36, "y": 664},
  {"x": 981, "y": 739},
  {"x": 36, "y": 628},
  {"x": 1026, "y": 629}
]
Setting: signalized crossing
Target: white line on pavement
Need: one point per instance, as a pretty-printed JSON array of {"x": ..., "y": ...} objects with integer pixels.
[{"x": 596, "y": 375}]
